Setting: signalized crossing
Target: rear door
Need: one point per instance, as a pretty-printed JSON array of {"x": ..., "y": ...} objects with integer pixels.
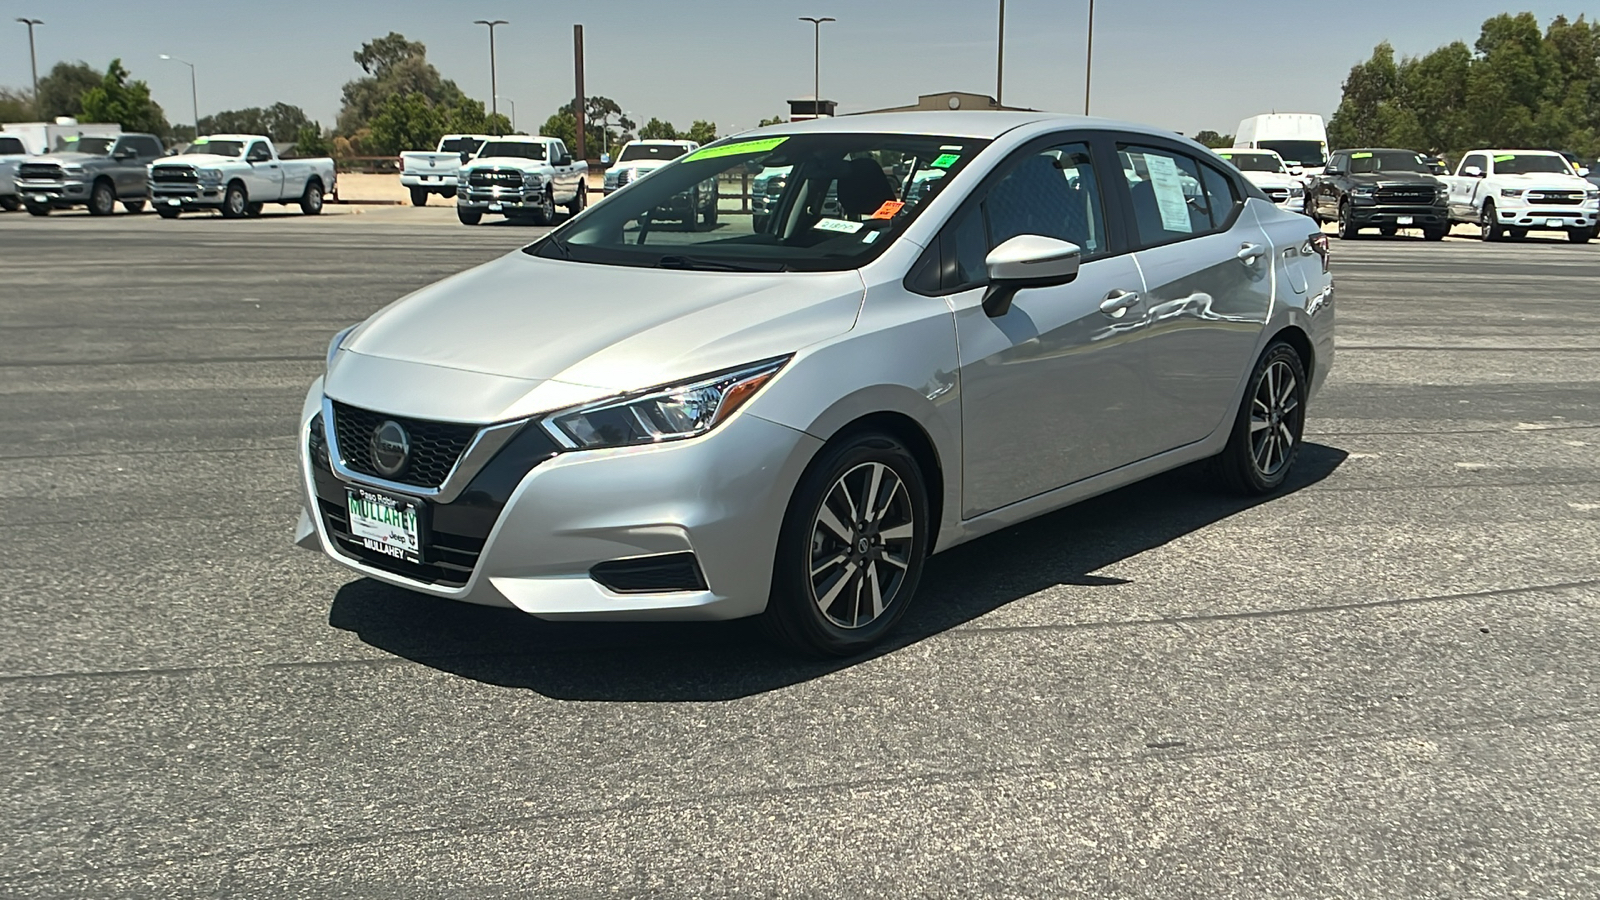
[{"x": 1207, "y": 269}]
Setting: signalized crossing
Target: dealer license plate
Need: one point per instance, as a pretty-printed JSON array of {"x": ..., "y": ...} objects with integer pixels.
[
  {"x": 41, "y": 198},
  {"x": 495, "y": 207},
  {"x": 174, "y": 202},
  {"x": 389, "y": 525},
  {"x": 1404, "y": 220},
  {"x": 1552, "y": 223}
]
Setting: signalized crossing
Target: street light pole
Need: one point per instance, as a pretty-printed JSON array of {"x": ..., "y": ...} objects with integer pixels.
[
  {"x": 494, "y": 107},
  {"x": 194, "y": 90},
  {"x": 1000, "y": 60},
  {"x": 34, "y": 59},
  {"x": 1088, "y": 60},
  {"x": 513, "y": 111},
  {"x": 816, "y": 62}
]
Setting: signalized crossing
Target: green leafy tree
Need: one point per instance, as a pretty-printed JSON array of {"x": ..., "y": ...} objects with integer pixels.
[
  {"x": 61, "y": 91},
  {"x": 606, "y": 128},
  {"x": 310, "y": 141},
  {"x": 775, "y": 120},
  {"x": 1213, "y": 140},
  {"x": 657, "y": 130},
  {"x": 127, "y": 103},
  {"x": 394, "y": 67},
  {"x": 280, "y": 121},
  {"x": 16, "y": 106},
  {"x": 409, "y": 121},
  {"x": 701, "y": 132}
]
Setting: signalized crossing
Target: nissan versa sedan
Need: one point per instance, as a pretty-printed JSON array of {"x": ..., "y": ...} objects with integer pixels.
[{"x": 634, "y": 419}]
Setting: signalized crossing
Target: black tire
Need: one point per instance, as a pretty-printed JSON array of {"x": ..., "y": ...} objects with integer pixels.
[
  {"x": 1580, "y": 235},
  {"x": 419, "y": 196},
  {"x": 1347, "y": 226},
  {"x": 1277, "y": 414},
  {"x": 1434, "y": 234},
  {"x": 1487, "y": 221},
  {"x": 795, "y": 616},
  {"x": 168, "y": 212},
  {"x": 312, "y": 199},
  {"x": 1517, "y": 234},
  {"x": 709, "y": 217},
  {"x": 10, "y": 204},
  {"x": 235, "y": 204},
  {"x": 35, "y": 209},
  {"x": 1389, "y": 230},
  {"x": 102, "y": 199},
  {"x": 545, "y": 212},
  {"x": 758, "y": 224},
  {"x": 254, "y": 210},
  {"x": 579, "y": 200},
  {"x": 469, "y": 216}
]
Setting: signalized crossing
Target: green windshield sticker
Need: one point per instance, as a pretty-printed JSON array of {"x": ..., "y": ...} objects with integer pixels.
[
  {"x": 945, "y": 161},
  {"x": 1361, "y": 156},
  {"x": 736, "y": 149},
  {"x": 1506, "y": 158}
]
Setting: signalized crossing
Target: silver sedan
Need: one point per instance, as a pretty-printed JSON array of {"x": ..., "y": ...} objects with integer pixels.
[{"x": 946, "y": 323}]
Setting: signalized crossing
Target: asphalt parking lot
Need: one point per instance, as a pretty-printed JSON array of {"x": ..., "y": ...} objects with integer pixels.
[{"x": 1382, "y": 683}]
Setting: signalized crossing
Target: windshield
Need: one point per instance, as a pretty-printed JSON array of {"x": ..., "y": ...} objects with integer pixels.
[
  {"x": 1387, "y": 161},
  {"x": 12, "y": 146},
  {"x": 1252, "y": 162},
  {"x": 1297, "y": 153},
  {"x": 219, "y": 148},
  {"x": 96, "y": 146},
  {"x": 517, "y": 149},
  {"x": 843, "y": 199},
  {"x": 458, "y": 145},
  {"x": 1528, "y": 164},
  {"x": 652, "y": 151}
]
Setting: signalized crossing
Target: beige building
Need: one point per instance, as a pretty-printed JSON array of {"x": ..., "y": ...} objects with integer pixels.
[{"x": 950, "y": 100}]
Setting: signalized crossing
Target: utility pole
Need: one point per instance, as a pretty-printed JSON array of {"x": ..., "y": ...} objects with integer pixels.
[
  {"x": 194, "y": 90},
  {"x": 1000, "y": 60},
  {"x": 1088, "y": 60},
  {"x": 513, "y": 111},
  {"x": 578, "y": 103},
  {"x": 33, "y": 57},
  {"x": 494, "y": 107},
  {"x": 816, "y": 62}
]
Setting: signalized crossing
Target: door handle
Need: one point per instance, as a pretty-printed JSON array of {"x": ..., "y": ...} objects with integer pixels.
[
  {"x": 1118, "y": 302},
  {"x": 1248, "y": 253}
]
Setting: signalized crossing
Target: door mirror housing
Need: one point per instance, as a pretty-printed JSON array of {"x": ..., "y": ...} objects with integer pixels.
[
  {"x": 124, "y": 153},
  {"x": 1027, "y": 261},
  {"x": 1297, "y": 170},
  {"x": 1472, "y": 172},
  {"x": 1583, "y": 171},
  {"x": 564, "y": 160}
]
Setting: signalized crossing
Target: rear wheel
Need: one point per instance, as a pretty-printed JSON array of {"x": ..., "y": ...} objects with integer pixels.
[
  {"x": 1487, "y": 221},
  {"x": 10, "y": 204},
  {"x": 134, "y": 206},
  {"x": 579, "y": 200},
  {"x": 1266, "y": 432},
  {"x": 234, "y": 203},
  {"x": 102, "y": 199},
  {"x": 1517, "y": 234},
  {"x": 311, "y": 199},
  {"x": 1580, "y": 235},
  {"x": 1347, "y": 226},
  {"x": 168, "y": 212},
  {"x": 469, "y": 216},
  {"x": 851, "y": 548},
  {"x": 758, "y": 224},
  {"x": 419, "y": 196}
]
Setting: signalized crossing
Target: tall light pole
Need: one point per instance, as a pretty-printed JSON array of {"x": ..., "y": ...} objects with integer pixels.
[
  {"x": 513, "y": 111},
  {"x": 194, "y": 90},
  {"x": 1088, "y": 60},
  {"x": 816, "y": 62},
  {"x": 1000, "y": 60},
  {"x": 494, "y": 107},
  {"x": 33, "y": 58}
]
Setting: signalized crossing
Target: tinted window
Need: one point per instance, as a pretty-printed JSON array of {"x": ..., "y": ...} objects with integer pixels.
[
  {"x": 147, "y": 146},
  {"x": 1220, "y": 195},
  {"x": 1295, "y": 153},
  {"x": 651, "y": 151},
  {"x": 1246, "y": 161},
  {"x": 459, "y": 145},
  {"x": 512, "y": 149},
  {"x": 1386, "y": 161},
  {"x": 258, "y": 152},
  {"x": 1052, "y": 193},
  {"x": 11, "y": 145},
  {"x": 1520, "y": 164},
  {"x": 1476, "y": 159},
  {"x": 967, "y": 246},
  {"x": 1169, "y": 202}
]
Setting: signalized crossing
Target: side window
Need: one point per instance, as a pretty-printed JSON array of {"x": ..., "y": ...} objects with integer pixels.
[
  {"x": 1476, "y": 159},
  {"x": 1169, "y": 202},
  {"x": 1338, "y": 163},
  {"x": 559, "y": 149},
  {"x": 1221, "y": 195},
  {"x": 258, "y": 152},
  {"x": 149, "y": 147}
]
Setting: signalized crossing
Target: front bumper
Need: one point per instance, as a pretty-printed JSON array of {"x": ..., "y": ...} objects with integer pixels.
[
  {"x": 1540, "y": 217},
  {"x": 498, "y": 199},
  {"x": 721, "y": 497},
  {"x": 186, "y": 195},
  {"x": 53, "y": 193},
  {"x": 1367, "y": 215}
]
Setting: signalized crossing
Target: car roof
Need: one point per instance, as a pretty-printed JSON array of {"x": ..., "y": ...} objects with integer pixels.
[
  {"x": 1377, "y": 150},
  {"x": 234, "y": 137},
  {"x": 673, "y": 141},
  {"x": 522, "y": 138},
  {"x": 956, "y": 123},
  {"x": 1523, "y": 152}
]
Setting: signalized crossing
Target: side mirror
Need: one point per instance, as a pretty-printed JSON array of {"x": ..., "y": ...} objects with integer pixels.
[
  {"x": 466, "y": 155},
  {"x": 605, "y": 159},
  {"x": 123, "y": 153},
  {"x": 1583, "y": 171},
  {"x": 1472, "y": 172},
  {"x": 1027, "y": 261},
  {"x": 564, "y": 160},
  {"x": 1297, "y": 170}
]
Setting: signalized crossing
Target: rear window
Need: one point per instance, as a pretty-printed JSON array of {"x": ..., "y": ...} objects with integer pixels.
[{"x": 460, "y": 145}]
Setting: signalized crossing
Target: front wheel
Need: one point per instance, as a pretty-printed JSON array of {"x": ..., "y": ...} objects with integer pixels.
[
  {"x": 235, "y": 205},
  {"x": 1580, "y": 235},
  {"x": 709, "y": 219},
  {"x": 168, "y": 212},
  {"x": 311, "y": 199},
  {"x": 1434, "y": 234},
  {"x": 1389, "y": 230},
  {"x": 10, "y": 204},
  {"x": 1266, "y": 433},
  {"x": 419, "y": 196},
  {"x": 38, "y": 209},
  {"x": 1517, "y": 234},
  {"x": 134, "y": 206},
  {"x": 1347, "y": 226},
  {"x": 545, "y": 212},
  {"x": 102, "y": 199},
  {"x": 851, "y": 548},
  {"x": 1489, "y": 225},
  {"x": 469, "y": 216},
  {"x": 254, "y": 210}
]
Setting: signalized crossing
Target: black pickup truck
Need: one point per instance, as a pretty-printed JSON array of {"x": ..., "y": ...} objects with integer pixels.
[{"x": 1380, "y": 188}]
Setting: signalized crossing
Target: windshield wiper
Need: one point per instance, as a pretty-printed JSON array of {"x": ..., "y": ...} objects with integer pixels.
[{"x": 714, "y": 265}]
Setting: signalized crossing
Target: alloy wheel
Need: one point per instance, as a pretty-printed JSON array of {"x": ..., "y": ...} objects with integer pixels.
[
  {"x": 861, "y": 544},
  {"x": 1275, "y": 417}
]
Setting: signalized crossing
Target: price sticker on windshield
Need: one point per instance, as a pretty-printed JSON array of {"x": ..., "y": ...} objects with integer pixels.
[
  {"x": 839, "y": 225},
  {"x": 1361, "y": 156},
  {"x": 888, "y": 210},
  {"x": 945, "y": 161}
]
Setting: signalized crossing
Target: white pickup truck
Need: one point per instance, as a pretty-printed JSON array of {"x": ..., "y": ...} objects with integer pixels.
[
  {"x": 423, "y": 172},
  {"x": 238, "y": 174},
  {"x": 518, "y": 176},
  {"x": 1513, "y": 192}
]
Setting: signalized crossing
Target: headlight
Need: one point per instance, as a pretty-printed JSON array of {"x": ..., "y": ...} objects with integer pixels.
[
  {"x": 209, "y": 174},
  {"x": 1296, "y": 190},
  {"x": 338, "y": 340},
  {"x": 1511, "y": 192},
  {"x": 73, "y": 171},
  {"x": 1592, "y": 195},
  {"x": 1361, "y": 191},
  {"x": 672, "y": 413}
]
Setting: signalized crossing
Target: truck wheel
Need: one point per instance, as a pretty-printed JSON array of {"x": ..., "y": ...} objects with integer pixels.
[
  {"x": 1434, "y": 234},
  {"x": 168, "y": 212},
  {"x": 35, "y": 209},
  {"x": 1580, "y": 235},
  {"x": 419, "y": 196},
  {"x": 254, "y": 209},
  {"x": 691, "y": 213},
  {"x": 545, "y": 212},
  {"x": 1347, "y": 227},
  {"x": 234, "y": 203},
  {"x": 1488, "y": 222},
  {"x": 102, "y": 199},
  {"x": 1389, "y": 231},
  {"x": 709, "y": 220},
  {"x": 1516, "y": 234},
  {"x": 10, "y": 204},
  {"x": 468, "y": 216},
  {"x": 134, "y": 206},
  {"x": 311, "y": 200},
  {"x": 758, "y": 224}
]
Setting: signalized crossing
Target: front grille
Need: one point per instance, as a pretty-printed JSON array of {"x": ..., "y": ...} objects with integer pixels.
[
  {"x": 1277, "y": 195},
  {"x": 659, "y": 574},
  {"x": 1556, "y": 198},
  {"x": 1406, "y": 196},
  {"x": 435, "y": 446},
  {"x": 624, "y": 176},
  {"x": 183, "y": 174},
  {"x": 39, "y": 171},
  {"x": 494, "y": 177}
]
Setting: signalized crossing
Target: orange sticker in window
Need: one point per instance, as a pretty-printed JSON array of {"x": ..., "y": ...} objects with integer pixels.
[{"x": 888, "y": 210}]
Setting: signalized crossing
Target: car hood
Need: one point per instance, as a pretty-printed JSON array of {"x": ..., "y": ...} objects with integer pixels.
[
  {"x": 195, "y": 159},
  {"x": 67, "y": 159},
  {"x": 523, "y": 334},
  {"x": 1271, "y": 179},
  {"x": 1553, "y": 180}
]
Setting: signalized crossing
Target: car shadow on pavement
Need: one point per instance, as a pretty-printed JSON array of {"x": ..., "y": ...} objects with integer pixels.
[{"x": 669, "y": 662}]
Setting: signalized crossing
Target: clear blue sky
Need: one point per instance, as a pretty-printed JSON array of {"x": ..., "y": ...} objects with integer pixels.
[{"x": 1181, "y": 64}]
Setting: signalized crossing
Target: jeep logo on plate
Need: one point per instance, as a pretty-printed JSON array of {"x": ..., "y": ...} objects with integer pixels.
[{"x": 391, "y": 448}]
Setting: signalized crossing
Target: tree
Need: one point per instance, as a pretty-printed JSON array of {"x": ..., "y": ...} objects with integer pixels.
[
  {"x": 126, "y": 103},
  {"x": 411, "y": 121},
  {"x": 657, "y": 130},
  {"x": 1213, "y": 140},
  {"x": 310, "y": 141},
  {"x": 379, "y": 55},
  {"x": 61, "y": 91},
  {"x": 394, "y": 67},
  {"x": 602, "y": 116},
  {"x": 775, "y": 120},
  {"x": 702, "y": 132},
  {"x": 280, "y": 121},
  {"x": 16, "y": 106}
]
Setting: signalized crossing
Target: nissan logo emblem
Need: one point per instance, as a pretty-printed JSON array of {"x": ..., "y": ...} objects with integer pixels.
[{"x": 391, "y": 448}]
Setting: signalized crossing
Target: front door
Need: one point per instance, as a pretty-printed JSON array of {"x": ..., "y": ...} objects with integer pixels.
[
  {"x": 1051, "y": 390},
  {"x": 264, "y": 181}
]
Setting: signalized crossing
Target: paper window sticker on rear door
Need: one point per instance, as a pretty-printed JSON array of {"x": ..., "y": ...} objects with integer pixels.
[{"x": 1170, "y": 199}]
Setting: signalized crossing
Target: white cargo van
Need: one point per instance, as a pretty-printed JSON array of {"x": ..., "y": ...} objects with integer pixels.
[{"x": 1300, "y": 138}]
